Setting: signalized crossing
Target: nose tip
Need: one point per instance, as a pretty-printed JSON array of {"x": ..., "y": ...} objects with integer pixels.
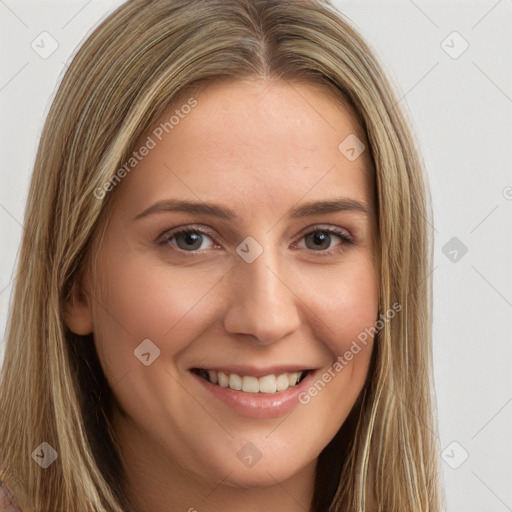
[{"x": 262, "y": 305}]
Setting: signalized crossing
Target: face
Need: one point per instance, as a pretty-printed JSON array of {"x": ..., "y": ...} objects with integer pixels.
[{"x": 257, "y": 290}]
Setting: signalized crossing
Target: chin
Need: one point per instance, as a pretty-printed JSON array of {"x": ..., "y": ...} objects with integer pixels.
[
  {"x": 253, "y": 478},
  {"x": 265, "y": 472}
]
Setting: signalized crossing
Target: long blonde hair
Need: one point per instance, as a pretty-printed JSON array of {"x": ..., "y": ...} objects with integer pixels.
[{"x": 139, "y": 60}]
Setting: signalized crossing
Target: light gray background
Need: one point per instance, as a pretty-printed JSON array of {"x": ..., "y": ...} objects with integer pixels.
[{"x": 462, "y": 112}]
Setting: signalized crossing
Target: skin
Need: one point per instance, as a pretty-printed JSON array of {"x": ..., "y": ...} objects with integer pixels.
[{"x": 260, "y": 148}]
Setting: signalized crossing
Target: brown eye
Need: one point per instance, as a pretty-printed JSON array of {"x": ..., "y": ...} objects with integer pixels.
[
  {"x": 188, "y": 240},
  {"x": 320, "y": 240}
]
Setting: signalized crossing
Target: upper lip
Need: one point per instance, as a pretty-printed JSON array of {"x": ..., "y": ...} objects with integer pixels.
[{"x": 256, "y": 371}]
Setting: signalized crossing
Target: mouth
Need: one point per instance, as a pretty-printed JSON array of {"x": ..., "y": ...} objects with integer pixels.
[{"x": 266, "y": 384}]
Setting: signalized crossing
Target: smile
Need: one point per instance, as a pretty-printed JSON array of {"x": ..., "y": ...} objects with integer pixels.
[{"x": 267, "y": 384}]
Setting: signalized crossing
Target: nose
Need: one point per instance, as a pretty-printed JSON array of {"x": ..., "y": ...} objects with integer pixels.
[{"x": 263, "y": 304}]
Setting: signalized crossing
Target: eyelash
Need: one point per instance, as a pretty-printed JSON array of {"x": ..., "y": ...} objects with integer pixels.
[{"x": 341, "y": 233}]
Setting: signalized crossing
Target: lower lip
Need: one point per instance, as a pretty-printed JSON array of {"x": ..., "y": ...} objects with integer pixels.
[{"x": 258, "y": 405}]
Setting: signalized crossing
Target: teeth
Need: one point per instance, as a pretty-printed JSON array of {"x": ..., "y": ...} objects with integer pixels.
[
  {"x": 282, "y": 382},
  {"x": 223, "y": 379},
  {"x": 293, "y": 378},
  {"x": 251, "y": 385},
  {"x": 268, "y": 384},
  {"x": 235, "y": 381}
]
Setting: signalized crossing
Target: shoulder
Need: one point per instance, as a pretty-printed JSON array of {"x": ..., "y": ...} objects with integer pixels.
[{"x": 7, "y": 500}]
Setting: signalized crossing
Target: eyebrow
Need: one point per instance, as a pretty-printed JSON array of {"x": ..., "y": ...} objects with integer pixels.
[{"x": 310, "y": 209}]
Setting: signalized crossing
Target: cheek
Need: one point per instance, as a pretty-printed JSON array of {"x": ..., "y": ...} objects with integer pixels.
[
  {"x": 139, "y": 301},
  {"x": 346, "y": 304}
]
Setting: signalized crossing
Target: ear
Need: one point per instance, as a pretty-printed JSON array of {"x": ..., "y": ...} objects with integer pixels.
[{"x": 77, "y": 312}]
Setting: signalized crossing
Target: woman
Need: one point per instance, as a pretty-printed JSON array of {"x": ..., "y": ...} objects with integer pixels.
[{"x": 283, "y": 362}]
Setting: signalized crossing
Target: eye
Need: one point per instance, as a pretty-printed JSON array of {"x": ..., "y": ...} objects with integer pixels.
[
  {"x": 320, "y": 239},
  {"x": 188, "y": 239}
]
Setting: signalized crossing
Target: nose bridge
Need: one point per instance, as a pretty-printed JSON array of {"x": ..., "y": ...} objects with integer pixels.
[
  {"x": 261, "y": 302},
  {"x": 265, "y": 286}
]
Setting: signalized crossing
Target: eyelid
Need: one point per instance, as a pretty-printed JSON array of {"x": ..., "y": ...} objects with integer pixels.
[
  {"x": 343, "y": 233},
  {"x": 166, "y": 235},
  {"x": 329, "y": 228}
]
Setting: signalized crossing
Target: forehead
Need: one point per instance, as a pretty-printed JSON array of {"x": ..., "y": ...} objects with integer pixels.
[{"x": 251, "y": 144}]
